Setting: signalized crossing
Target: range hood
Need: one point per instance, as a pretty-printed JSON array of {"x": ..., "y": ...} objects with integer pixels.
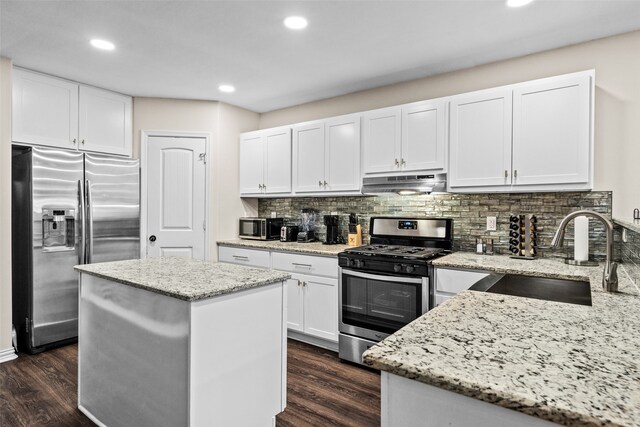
[{"x": 405, "y": 185}]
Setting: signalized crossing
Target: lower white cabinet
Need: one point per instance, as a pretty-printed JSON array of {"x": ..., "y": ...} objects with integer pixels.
[
  {"x": 450, "y": 281},
  {"x": 249, "y": 257},
  {"x": 312, "y": 306}
]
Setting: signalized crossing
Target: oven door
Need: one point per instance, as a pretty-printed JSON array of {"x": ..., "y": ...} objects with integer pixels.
[{"x": 375, "y": 306}]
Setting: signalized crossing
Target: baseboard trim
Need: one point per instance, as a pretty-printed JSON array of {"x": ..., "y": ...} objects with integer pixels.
[
  {"x": 7, "y": 355},
  {"x": 318, "y": 342},
  {"x": 90, "y": 416}
]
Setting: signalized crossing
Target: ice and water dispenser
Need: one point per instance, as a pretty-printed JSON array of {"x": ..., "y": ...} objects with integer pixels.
[{"x": 58, "y": 229}]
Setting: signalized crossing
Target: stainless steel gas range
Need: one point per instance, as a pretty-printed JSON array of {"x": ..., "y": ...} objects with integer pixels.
[{"x": 387, "y": 284}]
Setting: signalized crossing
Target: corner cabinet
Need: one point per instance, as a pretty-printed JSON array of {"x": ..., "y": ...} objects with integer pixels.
[
  {"x": 265, "y": 162},
  {"x": 527, "y": 137},
  {"x": 406, "y": 138},
  {"x": 58, "y": 113},
  {"x": 326, "y": 156}
]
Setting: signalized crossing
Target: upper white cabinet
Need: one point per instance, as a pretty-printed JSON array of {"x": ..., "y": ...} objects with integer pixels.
[
  {"x": 406, "y": 138},
  {"x": 326, "y": 156},
  {"x": 526, "y": 137},
  {"x": 265, "y": 162},
  {"x": 58, "y": 113}
]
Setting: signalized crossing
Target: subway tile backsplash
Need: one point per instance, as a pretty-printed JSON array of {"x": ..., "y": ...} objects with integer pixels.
[{"x": 469, "y": 213}]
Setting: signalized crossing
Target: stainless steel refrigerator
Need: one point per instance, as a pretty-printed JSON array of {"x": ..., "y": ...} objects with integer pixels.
[{"x": 68, "y": 208}]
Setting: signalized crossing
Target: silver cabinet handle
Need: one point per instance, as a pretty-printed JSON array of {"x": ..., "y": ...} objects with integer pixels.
[
  {"x": 264, "y": 187},
  {"x": 260, "y": 186},
  {"x": 74, "y": 140},
  {"x": 397, "y": 163},
  {"x": 515, "y": 173},
  {"x": 297, "y": 264},
  {"x": 82, "y": 250},
  {"x": 325, "y": 184},
  {"x": 89, "y": 216},
  {"x": 304, "y": 284},
  {"x": 83, "y": 141},
  {"x": 402, "y": 162},
  {"x": 320, "y": 183},
  {"x": 241, "y": 258},
  {"x": 506, "y": 173}
]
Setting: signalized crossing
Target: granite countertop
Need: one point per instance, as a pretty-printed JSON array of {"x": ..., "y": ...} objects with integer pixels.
[
  {"x": 569, "y": 364},
  {"x": 629, "y": 223},
  {"x": 183, "y": 278},
  {"x": 311, "y": 248}
]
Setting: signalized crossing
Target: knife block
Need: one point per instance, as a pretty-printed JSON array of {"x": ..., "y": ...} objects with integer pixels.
[{"x": 355, "y": 239}]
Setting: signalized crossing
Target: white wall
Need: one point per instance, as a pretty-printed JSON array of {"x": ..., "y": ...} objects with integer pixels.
[
  {"x": 5, "y": 204},
  {"x": 223, "y": 123},
  {"x": 617, "y": 120}
]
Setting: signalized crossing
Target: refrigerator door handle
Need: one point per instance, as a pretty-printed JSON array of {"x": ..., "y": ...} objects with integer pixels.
[
  {"x": 81, "y": 222},
  {"x": 89, "y": 222}
]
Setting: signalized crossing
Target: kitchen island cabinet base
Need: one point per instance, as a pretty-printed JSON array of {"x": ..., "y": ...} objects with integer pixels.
[
  {"x": 147, "y": 359},
  {"x": 409, "y": 403}
]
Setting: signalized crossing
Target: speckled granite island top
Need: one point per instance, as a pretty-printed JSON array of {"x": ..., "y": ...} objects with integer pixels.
[
  {"x": 569, "y": 364},
  {"x": 183, "y": 278},
  {"x": 311, "y": 248}
]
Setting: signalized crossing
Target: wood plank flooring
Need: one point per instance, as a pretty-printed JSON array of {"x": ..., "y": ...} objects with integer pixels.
[{"x": 41, "y": 390}]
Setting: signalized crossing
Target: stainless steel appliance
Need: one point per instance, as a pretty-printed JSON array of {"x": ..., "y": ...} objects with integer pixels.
[
  {"x": 289, "y": 233},
  {"x": 387, "y": 284},
  {"x": 260, "y": 228},
  {"x": 68, "y": 208},
  {"x": 405, "y": 184}
]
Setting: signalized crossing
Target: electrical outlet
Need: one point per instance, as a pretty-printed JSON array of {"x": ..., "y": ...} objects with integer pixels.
[
  {"x": 273, "y": 214},
  {"x": 491, "y": 223},
  {"x": 334, "y": 213}
]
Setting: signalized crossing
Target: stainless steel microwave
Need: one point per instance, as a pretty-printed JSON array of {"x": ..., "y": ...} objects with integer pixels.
[{"x": 260, "y": 228}]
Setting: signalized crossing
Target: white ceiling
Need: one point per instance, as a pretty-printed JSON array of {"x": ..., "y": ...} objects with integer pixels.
[{"x": 185, "y": 49}]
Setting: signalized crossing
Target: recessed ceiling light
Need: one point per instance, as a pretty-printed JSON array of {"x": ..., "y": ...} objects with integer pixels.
[
  {"x": 518, "y": 3},
  {"x": 295, "y": 22},
  {"x": 226, "y": 88},
  {"x": 102, "y": 44}
]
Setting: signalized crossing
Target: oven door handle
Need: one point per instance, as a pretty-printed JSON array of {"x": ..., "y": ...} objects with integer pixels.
[{"x": 397, "y": 279}]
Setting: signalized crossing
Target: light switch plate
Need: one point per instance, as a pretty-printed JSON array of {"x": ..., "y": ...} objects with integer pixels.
[
  {"x": 491, "y": 223},
  {"x": 273, "y": 214}
]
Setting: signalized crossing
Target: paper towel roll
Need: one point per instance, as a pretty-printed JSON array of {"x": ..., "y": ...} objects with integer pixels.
[{"x": 581, "y": 239}]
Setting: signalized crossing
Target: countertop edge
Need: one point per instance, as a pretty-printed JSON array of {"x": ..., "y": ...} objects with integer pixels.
[
  {"x": 628, "y": 223},
  {"x": 254, "y": 244}
]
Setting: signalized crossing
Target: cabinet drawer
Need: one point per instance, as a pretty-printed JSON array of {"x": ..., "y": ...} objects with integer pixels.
[
  {"x": 249, "y": 257},
  {"x": 306, "y": 264},
  {"x": 440, "y": 298},
  {"x": 454, "y": 281}
]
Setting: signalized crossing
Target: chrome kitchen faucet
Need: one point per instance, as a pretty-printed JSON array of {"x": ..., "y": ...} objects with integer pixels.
[{"x": 610, "y": 274}]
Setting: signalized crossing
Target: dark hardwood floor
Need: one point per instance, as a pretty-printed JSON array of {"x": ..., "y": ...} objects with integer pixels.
[{"x": 41, "y": 390}]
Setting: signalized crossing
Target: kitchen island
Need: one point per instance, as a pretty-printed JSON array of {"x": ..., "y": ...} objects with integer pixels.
[
  {"x": 496, "y": 360},
  {"x": 181, "y": 342}
]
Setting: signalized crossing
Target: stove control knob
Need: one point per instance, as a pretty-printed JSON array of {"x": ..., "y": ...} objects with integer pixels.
[
  {"x": 359, "y": 263},
  {"x": 410, "y": 268},
  {"x": 397, "y": 268}
]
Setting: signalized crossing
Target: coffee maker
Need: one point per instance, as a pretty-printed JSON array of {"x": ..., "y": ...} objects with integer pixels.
[{"x": 333, "y": 236}]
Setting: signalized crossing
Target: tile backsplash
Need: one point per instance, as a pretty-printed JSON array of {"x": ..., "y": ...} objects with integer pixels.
[
  {"x": 469, "y": 213},
  {"x": 630, "y": 254}
]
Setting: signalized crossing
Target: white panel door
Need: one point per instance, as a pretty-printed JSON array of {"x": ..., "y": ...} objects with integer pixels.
[
  {"x": 321, "y": 307},
  {"x": 105, "y": 121},
  {"x": 342, "y": 153},
  {"x": 381, "y": 141},
  {"x": 277, "y": 175},
  {"x": 45, "y": 110},
  {"x": 551, "y": 131},
  {"x": 308, "y": 157},
  {"x": 295, "y": 303},
  {"x": 251, "y": 163},
  {"x": 480, "y": 143},
  {"x": 423, "y": 136},
  {"x": 176, "y": 197}
]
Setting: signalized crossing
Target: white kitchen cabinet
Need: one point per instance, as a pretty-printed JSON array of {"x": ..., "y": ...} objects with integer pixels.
[
  {"x": 104, "y": 121},
  {"x": 480, "y": 139},
  {"x": 326, "y": 155},
  {"x": 58, "y": 113},
  {"x": 551, "y": 131},
  {"x": 249, "y": 257},
  {"x": 265, "y": 162},
  {"x": 405, "y": 138},
  {"x": 451, "y": 281},
  {"x": 321, "y": 307},
  {"x": 532, "y": 136},
  {"x": 295, "y": 303}
]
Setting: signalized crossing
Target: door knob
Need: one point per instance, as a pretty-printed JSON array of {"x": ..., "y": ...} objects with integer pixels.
[{"x": 152, "y": 238}]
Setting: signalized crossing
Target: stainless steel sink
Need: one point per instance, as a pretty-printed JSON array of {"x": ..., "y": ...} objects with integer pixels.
[{"x": 559, "y": 290}]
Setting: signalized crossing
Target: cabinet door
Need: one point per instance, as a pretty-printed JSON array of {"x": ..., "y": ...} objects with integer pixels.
[
  {"x": 423, "y": 136},
  {"x": 295, "y": 303},
  {"x": 480, "y": 144},
  {"x": 551, "y": 131},
  {"x": 321, "y": 307},
  {"x": 308, "y": 157},
  {"x": 45, "y": 110},
  {"x": 278, "y": 161},
  {"x": 381, "y": 142},
  {"x": 251, "y": 163},
  {"x": 105, "y": 121},
  {"x": 342, "y": 153}
]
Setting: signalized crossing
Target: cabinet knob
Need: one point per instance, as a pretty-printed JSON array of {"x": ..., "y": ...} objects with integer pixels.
[
  {"x": 320, "y": 183},
  {"x": 506, "y": 173},
  {"x": 402, "y": 162},
  {"x": 397, "y": 163},
  {"x": 83, "y": 141},
  {"x": 515, "y": 173},
  {"x": 74, "y": 140},
  {"x": 325, "y": 184},
  {"x": 264, "y": 187}
]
